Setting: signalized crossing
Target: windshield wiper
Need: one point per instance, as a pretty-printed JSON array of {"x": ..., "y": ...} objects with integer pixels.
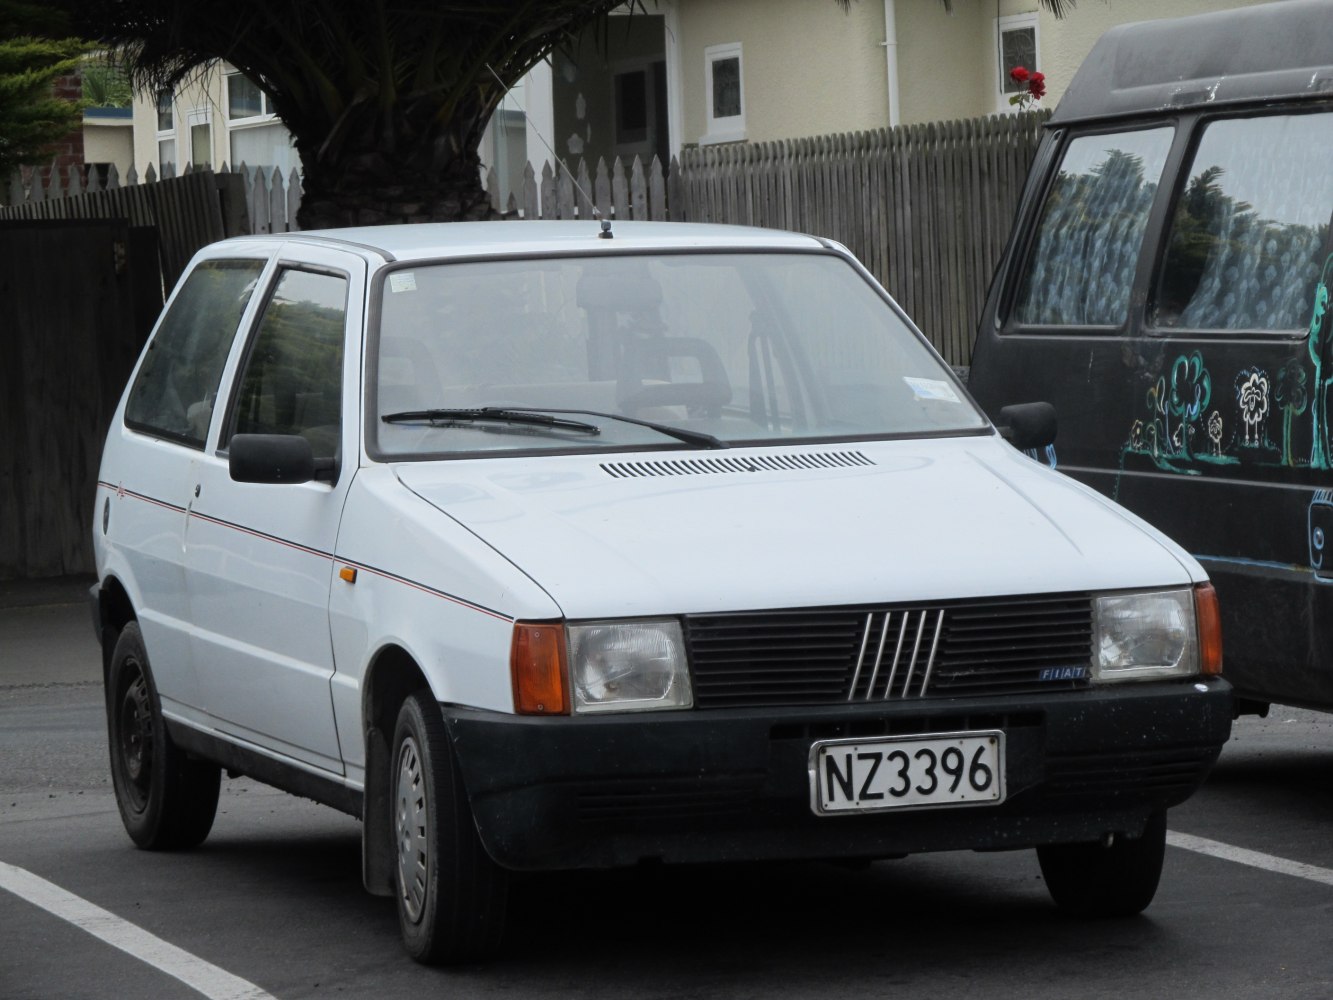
[
  {"x": 524, "y": 417},
  {"x": 670, "y": 430}
]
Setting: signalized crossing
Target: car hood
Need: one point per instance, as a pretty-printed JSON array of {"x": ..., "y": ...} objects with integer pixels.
[{"x": 885, "y": 522}]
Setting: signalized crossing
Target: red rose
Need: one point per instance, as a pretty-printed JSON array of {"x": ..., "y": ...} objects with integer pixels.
[
  {"x": 1037, "y": 87},
  {"x": 1018, "y": 74}
]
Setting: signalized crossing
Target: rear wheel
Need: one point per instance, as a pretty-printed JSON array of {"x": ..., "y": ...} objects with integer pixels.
[
  {"x": 1089, "y": 880},
  {"x": 451, "y": 895},
  {"x": 165, "y": 799}
]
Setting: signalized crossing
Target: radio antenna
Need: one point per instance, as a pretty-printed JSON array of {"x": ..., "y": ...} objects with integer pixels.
[{"x": 605, "y": 232}]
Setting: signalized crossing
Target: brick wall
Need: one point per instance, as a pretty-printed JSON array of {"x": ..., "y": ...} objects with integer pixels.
[{"x": 69, "y": 150}]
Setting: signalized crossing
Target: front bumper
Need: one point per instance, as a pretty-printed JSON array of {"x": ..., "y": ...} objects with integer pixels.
[{"x": 730, "y": 785}]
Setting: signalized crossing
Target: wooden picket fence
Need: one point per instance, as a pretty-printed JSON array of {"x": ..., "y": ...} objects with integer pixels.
[{"x": 927, "y": 208}]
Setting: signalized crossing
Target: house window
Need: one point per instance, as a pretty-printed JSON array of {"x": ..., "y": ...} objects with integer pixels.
[
  {"x": 724, "y": 82},
  {"x": 1016, "y": 43},
  {"x": 256, "y": 137},
  {"x": 166, "y": 132},
  {"x": 631, "y": 107},
  {"x": 245, "y": 99},
  {"x": 201, "y": 138}
]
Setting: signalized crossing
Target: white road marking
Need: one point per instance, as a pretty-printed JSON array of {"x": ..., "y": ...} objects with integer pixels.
[
  {"x": 1254, "y": 859},
  {"x": 194, "y": 972}
]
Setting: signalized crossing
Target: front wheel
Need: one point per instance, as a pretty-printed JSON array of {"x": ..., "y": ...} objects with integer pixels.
[
  {"x": 451, "y": 895},
  {"x": 1089, "y": 880},
  {"x": 165, "y": 799}
]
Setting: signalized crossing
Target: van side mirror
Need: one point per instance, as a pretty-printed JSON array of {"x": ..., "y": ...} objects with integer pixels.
[
  {"x": 271, "y": 458},
  {"x": 1028, "y": 425}
]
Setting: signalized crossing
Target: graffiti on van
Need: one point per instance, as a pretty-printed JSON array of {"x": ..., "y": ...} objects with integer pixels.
[
  {"x": 1180, "y": 432},
  {"x": 1321, "y": 535},
  {"x": 1044, "y": 456},
  {"x": 1292, "y": 398},
  {"x": 1315, "y": 342}
]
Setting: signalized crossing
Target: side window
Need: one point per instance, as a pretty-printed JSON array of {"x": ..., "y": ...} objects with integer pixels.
[
  {"x": 292, "y": 379},
  {"x": 1250, "y": 228},
  {"x": 177, "y": 384},
  {"x": 1082, "y": 266}
]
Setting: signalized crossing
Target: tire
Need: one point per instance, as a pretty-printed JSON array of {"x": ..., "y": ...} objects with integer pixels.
[
  {"x": 451, "y": 895},
  {"x": 166, "y": 800},
  {"x": 1088, "y": 880}
]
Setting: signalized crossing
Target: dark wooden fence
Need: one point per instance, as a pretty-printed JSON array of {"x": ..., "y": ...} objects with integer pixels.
[
  {"x": 77, "y": 300},
  {"x": 189, "y": 212}
]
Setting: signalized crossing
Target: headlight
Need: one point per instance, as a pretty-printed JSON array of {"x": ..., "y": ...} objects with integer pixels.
[
  {"x": 1147, "y": 636},
  {"x": 628, "y": 666}
]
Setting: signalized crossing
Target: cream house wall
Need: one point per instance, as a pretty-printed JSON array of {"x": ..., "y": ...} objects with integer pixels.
[
  {"x": 945, "y": 64},
  {"x": 109, "y": 141},
  {"x": 807, "y": 67},
  {"x": 810, "y": 69},
  {"x": 199, "y": 98}
]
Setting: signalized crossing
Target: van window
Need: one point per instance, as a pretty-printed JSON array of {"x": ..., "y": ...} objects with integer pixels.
[
  {"x": 1087, "y": 246},
  {"x": 174, "y": 392},
  {"x": 1250, "y": 228}
]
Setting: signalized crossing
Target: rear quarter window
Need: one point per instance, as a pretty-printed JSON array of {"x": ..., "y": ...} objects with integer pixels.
[
  {"x": 177, "y": 385},
  {"x": 1081, "y": 267}
]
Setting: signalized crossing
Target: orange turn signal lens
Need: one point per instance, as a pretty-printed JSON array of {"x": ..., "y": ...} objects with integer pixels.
[
  {"x": 537, "y": 663},
  {"x": 1209, "y": 617}
]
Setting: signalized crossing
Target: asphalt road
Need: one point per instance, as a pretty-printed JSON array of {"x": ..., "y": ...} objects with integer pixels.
[{"x": 271, "y": 905}]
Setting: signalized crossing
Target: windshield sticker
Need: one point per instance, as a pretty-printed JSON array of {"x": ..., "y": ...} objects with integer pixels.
[
  {"x": 931, "y": 388},
  {"x": 402, "y": 281}
]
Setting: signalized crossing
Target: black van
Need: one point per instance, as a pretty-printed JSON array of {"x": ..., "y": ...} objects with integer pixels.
[{"x": 1167, "y": 288}]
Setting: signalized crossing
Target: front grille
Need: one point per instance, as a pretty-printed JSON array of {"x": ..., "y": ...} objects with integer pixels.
[{"x": 869, "y": 654}]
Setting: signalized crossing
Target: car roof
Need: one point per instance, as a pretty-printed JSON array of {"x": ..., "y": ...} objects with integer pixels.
[
  {"x": 419, "y": 241},
  {"x": 1273, "y": 51}
]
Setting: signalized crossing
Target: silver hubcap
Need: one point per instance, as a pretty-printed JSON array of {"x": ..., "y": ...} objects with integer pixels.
[{"x": 411, "y": 827}]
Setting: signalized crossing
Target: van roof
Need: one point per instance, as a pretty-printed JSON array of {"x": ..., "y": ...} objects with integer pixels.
[{"x": 1267, "y": 52}]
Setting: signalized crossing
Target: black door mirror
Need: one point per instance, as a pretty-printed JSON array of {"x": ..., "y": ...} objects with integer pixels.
[
  {"x": 271, "y": 458},
  {"x": 1028, "y": 425}
]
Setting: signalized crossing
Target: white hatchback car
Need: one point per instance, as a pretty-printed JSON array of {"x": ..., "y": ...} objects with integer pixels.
[{"x": 542, "y": 547}]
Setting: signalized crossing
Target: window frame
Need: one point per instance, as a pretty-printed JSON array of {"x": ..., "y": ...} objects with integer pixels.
[
  {"x": 166, "y": 134},
  {"x": 265, "y": 117},
  {"x": 1014, "y": 22},
  {"x": 730, "y": 128},
  {"x": 379, "y": 279},
  {"x": 1193, "y": 127},
  {"x": 157, "y": 433},
  {"x": 1027, "y": 227},
  {"x": 259, "y": 305}
]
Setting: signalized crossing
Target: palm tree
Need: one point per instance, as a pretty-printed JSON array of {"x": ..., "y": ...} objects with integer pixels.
[{"x": 386, "y": 100}]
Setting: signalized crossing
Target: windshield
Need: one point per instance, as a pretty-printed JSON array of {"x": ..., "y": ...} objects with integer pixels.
[{"x": 743, "y": 348}]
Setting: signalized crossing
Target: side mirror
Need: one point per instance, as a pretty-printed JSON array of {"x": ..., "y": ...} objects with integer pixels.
[
  {"x": 271, "y": 458},
  {"x": 1028, "y": 425}
]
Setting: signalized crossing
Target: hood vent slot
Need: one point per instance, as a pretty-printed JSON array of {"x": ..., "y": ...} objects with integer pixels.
[{"x": 796, "y": 462}]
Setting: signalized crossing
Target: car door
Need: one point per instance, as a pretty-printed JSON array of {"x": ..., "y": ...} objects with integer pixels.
[
  {"x": 150, "y": 457},
  {"x": 259, "y": 557}
]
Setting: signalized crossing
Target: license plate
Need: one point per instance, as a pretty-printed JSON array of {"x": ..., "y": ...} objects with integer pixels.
[{"x": 929, "y": 770}]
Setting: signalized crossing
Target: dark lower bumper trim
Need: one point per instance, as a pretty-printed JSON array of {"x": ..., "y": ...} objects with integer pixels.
[{"x": 733, "y": 784}]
